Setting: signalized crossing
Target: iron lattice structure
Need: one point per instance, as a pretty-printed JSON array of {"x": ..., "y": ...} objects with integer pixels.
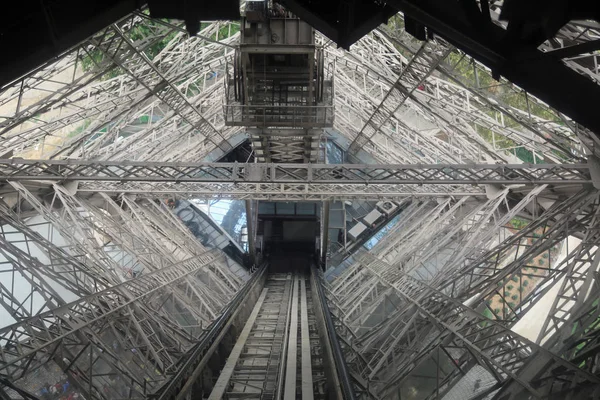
[{"x": 118, "y": 286}]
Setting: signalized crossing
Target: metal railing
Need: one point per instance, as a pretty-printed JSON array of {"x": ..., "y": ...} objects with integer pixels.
[
  {"x": 191, "y": 367},
  {"x": 342, "y": 374}
]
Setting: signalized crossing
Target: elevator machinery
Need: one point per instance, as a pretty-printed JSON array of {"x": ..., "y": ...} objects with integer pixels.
[{"x": 280, "y": 87}]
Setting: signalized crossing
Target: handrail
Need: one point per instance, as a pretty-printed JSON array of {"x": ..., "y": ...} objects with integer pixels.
[
  {"x": 173, "y": 387},
  {"x": 338, "y": 356}
]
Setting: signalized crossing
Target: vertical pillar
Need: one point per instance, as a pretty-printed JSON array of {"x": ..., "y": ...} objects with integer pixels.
[
  {"x": 325, "y": 233},
  {"x": 250, "y": 224},
  {"x": 311, "y": 69}
]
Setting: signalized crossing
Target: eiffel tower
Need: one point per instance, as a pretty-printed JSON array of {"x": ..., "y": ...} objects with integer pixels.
[{"x": 300, "y": 200}]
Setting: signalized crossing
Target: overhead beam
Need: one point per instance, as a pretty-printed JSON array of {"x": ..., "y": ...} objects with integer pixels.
[
  {"x": 287, "y": 173},
  {"x": 286, "y": 182},
  {"x": 43, "y": 23},
  {"x": 487, "y": 42}
]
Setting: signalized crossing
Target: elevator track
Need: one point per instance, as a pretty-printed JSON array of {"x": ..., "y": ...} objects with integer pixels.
[{"x": 277, "y": 354}]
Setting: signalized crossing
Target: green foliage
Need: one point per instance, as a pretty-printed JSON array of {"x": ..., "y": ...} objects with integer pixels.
[
  {"x": 515, "y": 278},
  {"x": 518, "y": 223},
  {"x": 396, "y": 24},
  {"x": 89, "y": 60},
  {"x": 142, "y": 31},
  {"x": 225, "y": 31},
  {"x": 143, "y": 119},
  {"x": 514, "y": 297},
  {"x": 509, "y": 287},
  {"x": 527, "y": 156},
  {"x": 476, "y": 76},
  {"x": 488, "y": 314},
  {"x": 525, "y": 283}
]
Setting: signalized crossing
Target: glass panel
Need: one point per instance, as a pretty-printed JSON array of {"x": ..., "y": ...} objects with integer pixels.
[
  {"x": 335, "y": 154},
  {"x": 266, "y": 207},
  {"x": 305, "y": 208},
  {"x": 285, "y": 208}
]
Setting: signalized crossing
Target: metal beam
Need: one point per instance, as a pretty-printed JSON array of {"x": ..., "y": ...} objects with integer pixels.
[
  {"x": 28, "y": 340},
  {"x": 420, "y": 66},
  {"x": 250, "y": 226},
  {"x": 223, "y": 382},
  {"x": 386, "y": 174},
  {"x": 287, "y": 182},
  {"x": 487, "y": 43},
  {"x": 506, "y": 355}
]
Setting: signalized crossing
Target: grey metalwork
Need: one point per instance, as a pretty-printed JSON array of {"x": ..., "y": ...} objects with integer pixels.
[
  {"x": 99, "y": 278},
  {"x": 140, "y": 171}
]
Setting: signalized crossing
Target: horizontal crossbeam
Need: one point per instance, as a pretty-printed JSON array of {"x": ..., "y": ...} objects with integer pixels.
[{"x": 289, "y": 181}]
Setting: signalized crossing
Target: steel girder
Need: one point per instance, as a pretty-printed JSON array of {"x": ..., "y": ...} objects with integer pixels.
[
  {"x": 287, "y": 181},
  {"x": 108, "y": 111},
  {"x": 476, "y": 32},
  {"x": 19, "y": 244},
  {"x": 363, "y": 77},
  {"x": 389, "y": 338},
  {"x": 134, "y": 328},
  {"x": 578, "y": 337},
  {"x": 17, "y": 170},
  {"x": 372, "y": 81},
  {"x": 187, "y": 63},
  {"x": 482, "y": 274},
  {"x": 571, "y": 327},
  {"x": 34, "y": 339},
  {"x": 121, "y": 50},
  {"x": 420, "y": 66},
  {"x": 525, "y": 120},
  {"x": 465, "y": 114},
  {"x": 469, "y": 338},
  {"x": 460, "y": 230},
  {"x": 286, "y": 145}
]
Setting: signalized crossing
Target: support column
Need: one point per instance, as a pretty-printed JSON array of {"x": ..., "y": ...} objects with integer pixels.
[
  {"x": 251, "y": 229},
  {"x": 325, "y": 233}
]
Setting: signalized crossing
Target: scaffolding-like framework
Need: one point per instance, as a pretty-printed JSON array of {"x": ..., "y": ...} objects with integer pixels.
[{"x": 101, "y": 281}]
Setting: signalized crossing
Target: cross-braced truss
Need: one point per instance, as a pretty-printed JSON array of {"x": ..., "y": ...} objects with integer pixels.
[
  {"x": 289, "y": 181},
  {"x": 380, "y": 301},
  {"x": 143, "y": 286},
  {"x": 101, "y": 279}
]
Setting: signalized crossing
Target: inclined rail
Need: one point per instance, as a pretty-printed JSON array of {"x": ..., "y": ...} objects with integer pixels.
[
  {"x": 287, "y": 344},
  {"x": 181, "y": 382},
  {"x": 338, "y": 369}
]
